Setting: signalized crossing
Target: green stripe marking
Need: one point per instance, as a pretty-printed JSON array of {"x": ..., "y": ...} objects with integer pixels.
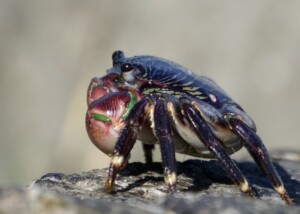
[
  {"x": 101, "y": 117},
  {"x": 133, "y": 101}
]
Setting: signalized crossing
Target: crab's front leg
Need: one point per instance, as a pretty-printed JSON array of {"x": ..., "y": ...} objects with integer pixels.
[
  {"x": 162, "y": 130},
  {"x": 126, "y": 140},
  {"x": 161, "y": 126}
]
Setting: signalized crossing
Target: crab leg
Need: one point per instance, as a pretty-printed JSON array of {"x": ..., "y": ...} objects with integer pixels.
[
  {"x": 162, "y": 130},
  {"x": 148, "y": 152},
  {"x": 205, "y": 134},
  {"x": 258, "y": 151},
  {"x": 126, "y": 141}
]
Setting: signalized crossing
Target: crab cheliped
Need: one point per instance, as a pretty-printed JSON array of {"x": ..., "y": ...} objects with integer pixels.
[{"x": 155, "y": 100}]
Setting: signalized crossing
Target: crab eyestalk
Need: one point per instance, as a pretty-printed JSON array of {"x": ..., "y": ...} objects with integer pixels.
[{"x": 106, "y": 112}]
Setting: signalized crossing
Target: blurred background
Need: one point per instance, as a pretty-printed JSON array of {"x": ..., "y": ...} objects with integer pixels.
[{"x": 49, "y": 51}]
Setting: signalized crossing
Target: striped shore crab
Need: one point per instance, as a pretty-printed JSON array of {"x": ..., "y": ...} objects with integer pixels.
[{"x": 155, "y": 100}]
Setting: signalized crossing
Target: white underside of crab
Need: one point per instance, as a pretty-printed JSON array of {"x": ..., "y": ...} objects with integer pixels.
[{"x": 184, "y": 138}]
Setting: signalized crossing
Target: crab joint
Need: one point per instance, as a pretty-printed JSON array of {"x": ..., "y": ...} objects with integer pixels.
[
  {"x": 117, "y": 161},
  {"x": 283, "y": 194},
  {"x": 280, "y": 189},
  {"x": 170, "y": 178},
  {"x": 227, "y": 118},
  {"x": 108, "y": 186},
  {"x": 245, "y": 188}
]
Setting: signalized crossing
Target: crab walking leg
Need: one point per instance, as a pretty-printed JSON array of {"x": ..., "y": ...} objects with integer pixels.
[
  {"x": 256, "y": 148},
  {"x": 126, "y": 142},
  {"x": 148, "y": 152},
  {"x": 212, "y": 143},
  {"x": 162, "y": 130}
]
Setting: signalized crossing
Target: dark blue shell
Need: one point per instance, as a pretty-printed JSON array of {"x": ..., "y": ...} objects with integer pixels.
[{"x": 173, "y": 77}]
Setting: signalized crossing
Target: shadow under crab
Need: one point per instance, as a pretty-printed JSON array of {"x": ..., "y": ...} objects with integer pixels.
[{"x": 203, "y": 177}]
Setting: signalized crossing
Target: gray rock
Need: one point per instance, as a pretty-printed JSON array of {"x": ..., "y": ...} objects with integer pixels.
[{"x": 203, "y": 187}]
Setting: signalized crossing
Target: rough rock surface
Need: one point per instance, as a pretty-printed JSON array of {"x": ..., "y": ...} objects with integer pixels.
[{"x": 203, "y": 187}]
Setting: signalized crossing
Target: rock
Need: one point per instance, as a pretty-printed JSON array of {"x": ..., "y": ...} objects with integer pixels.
[
  {"x": 203, "y": 187},
  {"x": 36, "y": 200}
]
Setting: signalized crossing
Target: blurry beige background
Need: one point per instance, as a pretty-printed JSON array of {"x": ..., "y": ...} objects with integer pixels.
[{"x": 49, "y": 51}]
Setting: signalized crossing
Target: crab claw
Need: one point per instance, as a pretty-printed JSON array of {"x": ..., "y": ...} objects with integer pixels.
[
  {"x": 106, "y": 113},
  {"x": 98, "y": 87}
]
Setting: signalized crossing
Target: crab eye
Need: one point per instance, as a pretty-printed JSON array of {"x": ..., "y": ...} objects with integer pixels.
[
  {"x": 126, "y": 67},
  {"x": 127, "y": 73}
]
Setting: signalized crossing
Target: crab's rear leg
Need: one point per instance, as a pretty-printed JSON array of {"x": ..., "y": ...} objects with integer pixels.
[
  {"x": 148, "y": 152},
  {"x": 205, "y": 134},
  {"x": 256, "y": 148}
]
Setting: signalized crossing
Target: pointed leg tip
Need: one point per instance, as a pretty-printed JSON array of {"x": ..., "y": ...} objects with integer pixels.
[
  {"x": 250, "y": 194},
  {"x": 171, "y": 179},
  {"x": 246, "y": 189},
  {"x": 108, "y": 186},
  {"x": 283, "y": 194},
  {"x": 287, "y": 199}
]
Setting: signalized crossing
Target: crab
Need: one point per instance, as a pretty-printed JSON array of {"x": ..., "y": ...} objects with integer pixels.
[{"x": 155, "y": 100}]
